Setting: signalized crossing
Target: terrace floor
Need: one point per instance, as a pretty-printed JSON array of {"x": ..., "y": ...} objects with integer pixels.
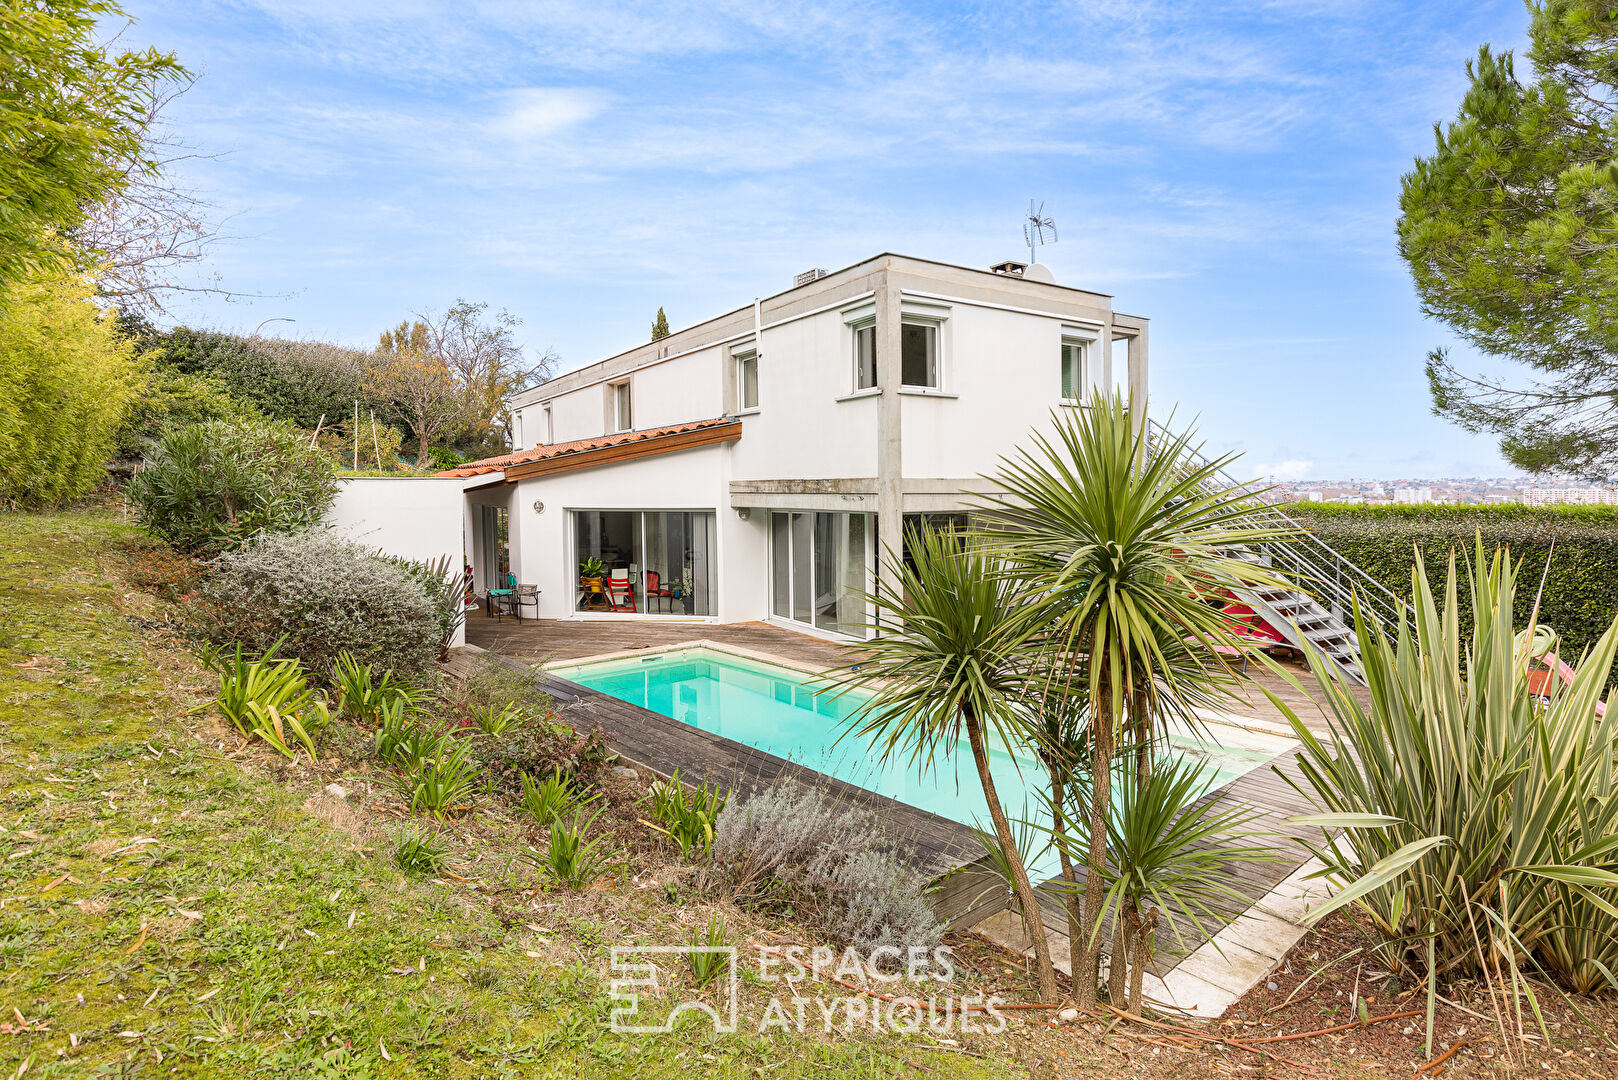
[{"x": 1201, "y": 974}]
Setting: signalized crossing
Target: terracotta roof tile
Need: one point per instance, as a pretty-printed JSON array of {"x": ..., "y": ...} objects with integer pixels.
[{"x": 577, "y": 446}]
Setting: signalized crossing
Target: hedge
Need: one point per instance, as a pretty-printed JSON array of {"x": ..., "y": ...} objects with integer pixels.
[{"x": 1581, "y": 590}]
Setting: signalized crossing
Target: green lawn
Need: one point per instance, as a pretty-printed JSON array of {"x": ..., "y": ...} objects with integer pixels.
[{"x": 168, "y": 911}]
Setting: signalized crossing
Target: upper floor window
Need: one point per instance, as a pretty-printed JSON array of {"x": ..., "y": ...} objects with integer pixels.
[
  {"x": 547, "y": 426},
  {"x": 623, "y": 418},
  {"x": 1072, "y": 369},
  {"x": 918, "y": 354},
  {"x": 865, "y": 356},
  {"x": 747, "y": 379}
]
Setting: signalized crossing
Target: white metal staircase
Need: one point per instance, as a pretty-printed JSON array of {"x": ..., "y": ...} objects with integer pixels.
[{"x": 1317, "y": 616}]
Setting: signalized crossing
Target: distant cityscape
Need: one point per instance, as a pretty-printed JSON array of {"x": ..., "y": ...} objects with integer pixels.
[{"x": 1470, "y": 490}]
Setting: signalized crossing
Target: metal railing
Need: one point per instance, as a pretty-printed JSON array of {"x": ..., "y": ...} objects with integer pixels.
[{"x": 1308, "y": 560}]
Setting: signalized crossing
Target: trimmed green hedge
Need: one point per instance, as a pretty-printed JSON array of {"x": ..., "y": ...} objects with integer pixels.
[{"x": 1581, "y": 593}]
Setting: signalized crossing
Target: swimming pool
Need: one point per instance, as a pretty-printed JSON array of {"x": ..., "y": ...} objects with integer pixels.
[{"x": 782, "y": 712}]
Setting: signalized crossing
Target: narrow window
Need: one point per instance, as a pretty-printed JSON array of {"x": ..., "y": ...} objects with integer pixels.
[
  {"x": 747, "y": 380},
  {"x": 1072, "y": 370},
  {"x": 918, "y": 354},
  {"x": 865, "y": 356},
  {"x": 623, "y": 418},
  {"x": 548, "y": 426}
]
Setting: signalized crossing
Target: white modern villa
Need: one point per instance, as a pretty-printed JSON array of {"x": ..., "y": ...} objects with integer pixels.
[{"x": 751, "y": 467}]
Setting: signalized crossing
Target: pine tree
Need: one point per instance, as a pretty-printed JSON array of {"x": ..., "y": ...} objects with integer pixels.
[
  {"x": 1510, "y": 229},
  {"x": 660, "y": 326}
]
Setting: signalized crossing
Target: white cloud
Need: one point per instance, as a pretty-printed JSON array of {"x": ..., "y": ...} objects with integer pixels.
[
  {"x": 1292, "y": 469},
  {"x": 538, "y": 111}
]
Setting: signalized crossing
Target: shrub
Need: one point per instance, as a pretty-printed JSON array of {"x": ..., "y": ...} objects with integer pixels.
[
  {"x": 795, "y": 841},
  {"x": 444, "y": 586},
  {"x": 491, "y": 679},
  {"x": 361, "y": 695},
  {"x": 687, "y": 816},
  {"x": 554, "y": 797},
  {"x": 543, "y": 745},
  {"x": 1479, "y": 822},
  {"x": 268, "y": 699},
  {"x": 573, "y": 861},
  {"x": 212, "y": 486},
  {"x": 320, "y": 596},
  {"x": 421, "y": 853},
  {"x": 173, "y": 400},
  {"x": 66, "y": 380},
  {"x": 1578, "y": 601},
  {"x": 442, "y": 783}
]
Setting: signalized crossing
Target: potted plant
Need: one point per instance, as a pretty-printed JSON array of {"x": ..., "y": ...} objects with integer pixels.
[
  {"x": 592, "y": 575},
  {"x": 680, "y": 589}
]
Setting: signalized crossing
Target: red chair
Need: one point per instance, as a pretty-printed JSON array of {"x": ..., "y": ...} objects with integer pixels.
[
  {"x": 620, "y": 591},
  {"x": 655, "y": 587}
]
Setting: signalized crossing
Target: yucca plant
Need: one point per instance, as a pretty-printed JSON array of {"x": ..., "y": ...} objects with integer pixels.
[
  {"x": 421, "y": 853},
  {"x": 710, "y": 952},
  {"x": 1479, "y": 824},
  {"x": 552, "y": 798},
  {"x": 444, "y": 782},
  {"x": 685, "y": 815},
  {"x": 573, "y": 861}
]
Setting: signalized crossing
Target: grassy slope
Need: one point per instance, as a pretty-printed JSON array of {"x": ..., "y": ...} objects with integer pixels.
[{"x": 225, "y": 946}]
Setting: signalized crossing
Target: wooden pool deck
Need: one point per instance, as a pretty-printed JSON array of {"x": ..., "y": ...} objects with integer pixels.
[{"x": 938, "y": 847}]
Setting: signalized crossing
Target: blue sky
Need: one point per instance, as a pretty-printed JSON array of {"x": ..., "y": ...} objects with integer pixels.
[{"x": 1229, "y": 170}]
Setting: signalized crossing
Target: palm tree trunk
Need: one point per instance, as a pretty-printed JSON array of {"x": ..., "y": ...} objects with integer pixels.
[
  {"x": 1140, "y": 718},
  {"x": 1060, "y": 779},
  {"x": 1019, "y": 876},
  {"x": 1085, "y": 974},
  {"x": 1144, "y": 936}
]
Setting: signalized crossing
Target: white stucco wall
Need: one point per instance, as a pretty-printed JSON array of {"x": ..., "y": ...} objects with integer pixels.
[
  {"x": 409, "y": 517},
  {"x": 542, "y": 542}
]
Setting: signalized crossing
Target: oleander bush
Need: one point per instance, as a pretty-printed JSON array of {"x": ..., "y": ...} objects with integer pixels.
[
  {"x": 1579, "y": 600},
  {"x": 209, "y": 487},
  {"x": 320, "y": 596}
]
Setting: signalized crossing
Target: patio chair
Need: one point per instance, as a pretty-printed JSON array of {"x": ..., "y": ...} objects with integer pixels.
[
  {"x": 620, "y": 591},
  {"x": 501, "y": 601},
  {"x": 525, "y": 595},
  {"x": 655, "y": 589}
]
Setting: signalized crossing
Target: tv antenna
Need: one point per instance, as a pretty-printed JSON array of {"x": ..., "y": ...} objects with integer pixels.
[{"x": 1033, "y": 230}]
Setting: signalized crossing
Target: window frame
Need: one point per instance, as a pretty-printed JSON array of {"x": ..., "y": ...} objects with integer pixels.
[
  {"x": 1084, "y": 340},
  {"x": 623, "y": 406},
  {"x": 865, "y": 327},
  {"x": 935, "y": 361},
  {"x": 744, "y": 357}
]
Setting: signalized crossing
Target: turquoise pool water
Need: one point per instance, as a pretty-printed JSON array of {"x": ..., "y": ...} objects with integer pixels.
[{"x": 775, "y": 709}]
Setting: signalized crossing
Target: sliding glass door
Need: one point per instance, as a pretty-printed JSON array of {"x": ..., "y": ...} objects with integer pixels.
[
  {"x": 653, "y": 562},
  {"x": 820, "y": 567}
]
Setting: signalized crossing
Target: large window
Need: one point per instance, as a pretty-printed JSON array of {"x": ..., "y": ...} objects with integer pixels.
[
  {"x": 747, "y": 380},
  {"x": 865, "y": 356},
  {"x": 820, "y": 569},
  {"x": 654, "y": 562},
  {"x": 918, "y": 354}
]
